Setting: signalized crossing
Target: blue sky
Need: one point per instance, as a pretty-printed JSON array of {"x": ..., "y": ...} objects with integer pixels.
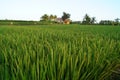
[{"x": 34, "y": 9}]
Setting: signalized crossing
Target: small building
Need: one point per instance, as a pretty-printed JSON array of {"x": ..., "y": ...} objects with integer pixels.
[
  {"x": 59, "y": 20},
  {"x": 67, "y": 21}
]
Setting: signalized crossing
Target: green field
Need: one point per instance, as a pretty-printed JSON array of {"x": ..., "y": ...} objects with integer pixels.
[{"x": 59, "y": 52}]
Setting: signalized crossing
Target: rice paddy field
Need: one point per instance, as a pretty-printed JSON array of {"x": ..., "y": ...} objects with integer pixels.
[{"x": 59, "y": 52}]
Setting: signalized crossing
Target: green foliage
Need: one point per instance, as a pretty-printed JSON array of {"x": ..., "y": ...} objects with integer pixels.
[
  {"x": 59, "y": 52},
  {"x": 117, "y": 21},
  {"x": 45, "y": 17},
  {"x": 17, "y": 22},
  {"x": 107, "y": 22},
  {"x": 65, "y": 16},
  {"x": 86, "y": 19},
  {"x": 93, "y": 20}
]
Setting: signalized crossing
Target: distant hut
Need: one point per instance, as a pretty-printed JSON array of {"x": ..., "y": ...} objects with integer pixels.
[
  {"x": 67, "y": 21},
  {"x": 59, "y": 20}
]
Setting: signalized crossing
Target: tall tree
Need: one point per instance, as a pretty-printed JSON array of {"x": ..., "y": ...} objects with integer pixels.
[
  {"x": 86, "y": 19},
  {"x": 45, "y": 17},
  {"x": 51, "y": 17},
  {"x": 93, "y": 20},
  {"x": 55, "y": 16},
  {"x": 65, "y": 16}
]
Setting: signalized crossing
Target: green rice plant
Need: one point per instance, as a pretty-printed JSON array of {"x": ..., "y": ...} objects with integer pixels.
[{"x": 59, "y": 52}]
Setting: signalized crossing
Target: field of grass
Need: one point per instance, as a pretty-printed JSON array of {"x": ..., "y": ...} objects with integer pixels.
[{"x": 59, "y": 52}]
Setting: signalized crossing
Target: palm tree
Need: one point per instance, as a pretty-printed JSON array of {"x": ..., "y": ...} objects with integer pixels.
[
  {"x": 45, "y": 17},
  {"x": 55, "y": 16},
  {"x": 51, "y": 17}
]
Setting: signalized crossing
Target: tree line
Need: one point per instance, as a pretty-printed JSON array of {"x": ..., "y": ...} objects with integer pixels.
[
  {"x": 92, "y": 20},
  {"x": 87, "y": 20},
  {"x": 64, "y": 19}
]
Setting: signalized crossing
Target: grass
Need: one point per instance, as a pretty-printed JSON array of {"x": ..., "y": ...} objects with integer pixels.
[{"x": 59, "y": 52}]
